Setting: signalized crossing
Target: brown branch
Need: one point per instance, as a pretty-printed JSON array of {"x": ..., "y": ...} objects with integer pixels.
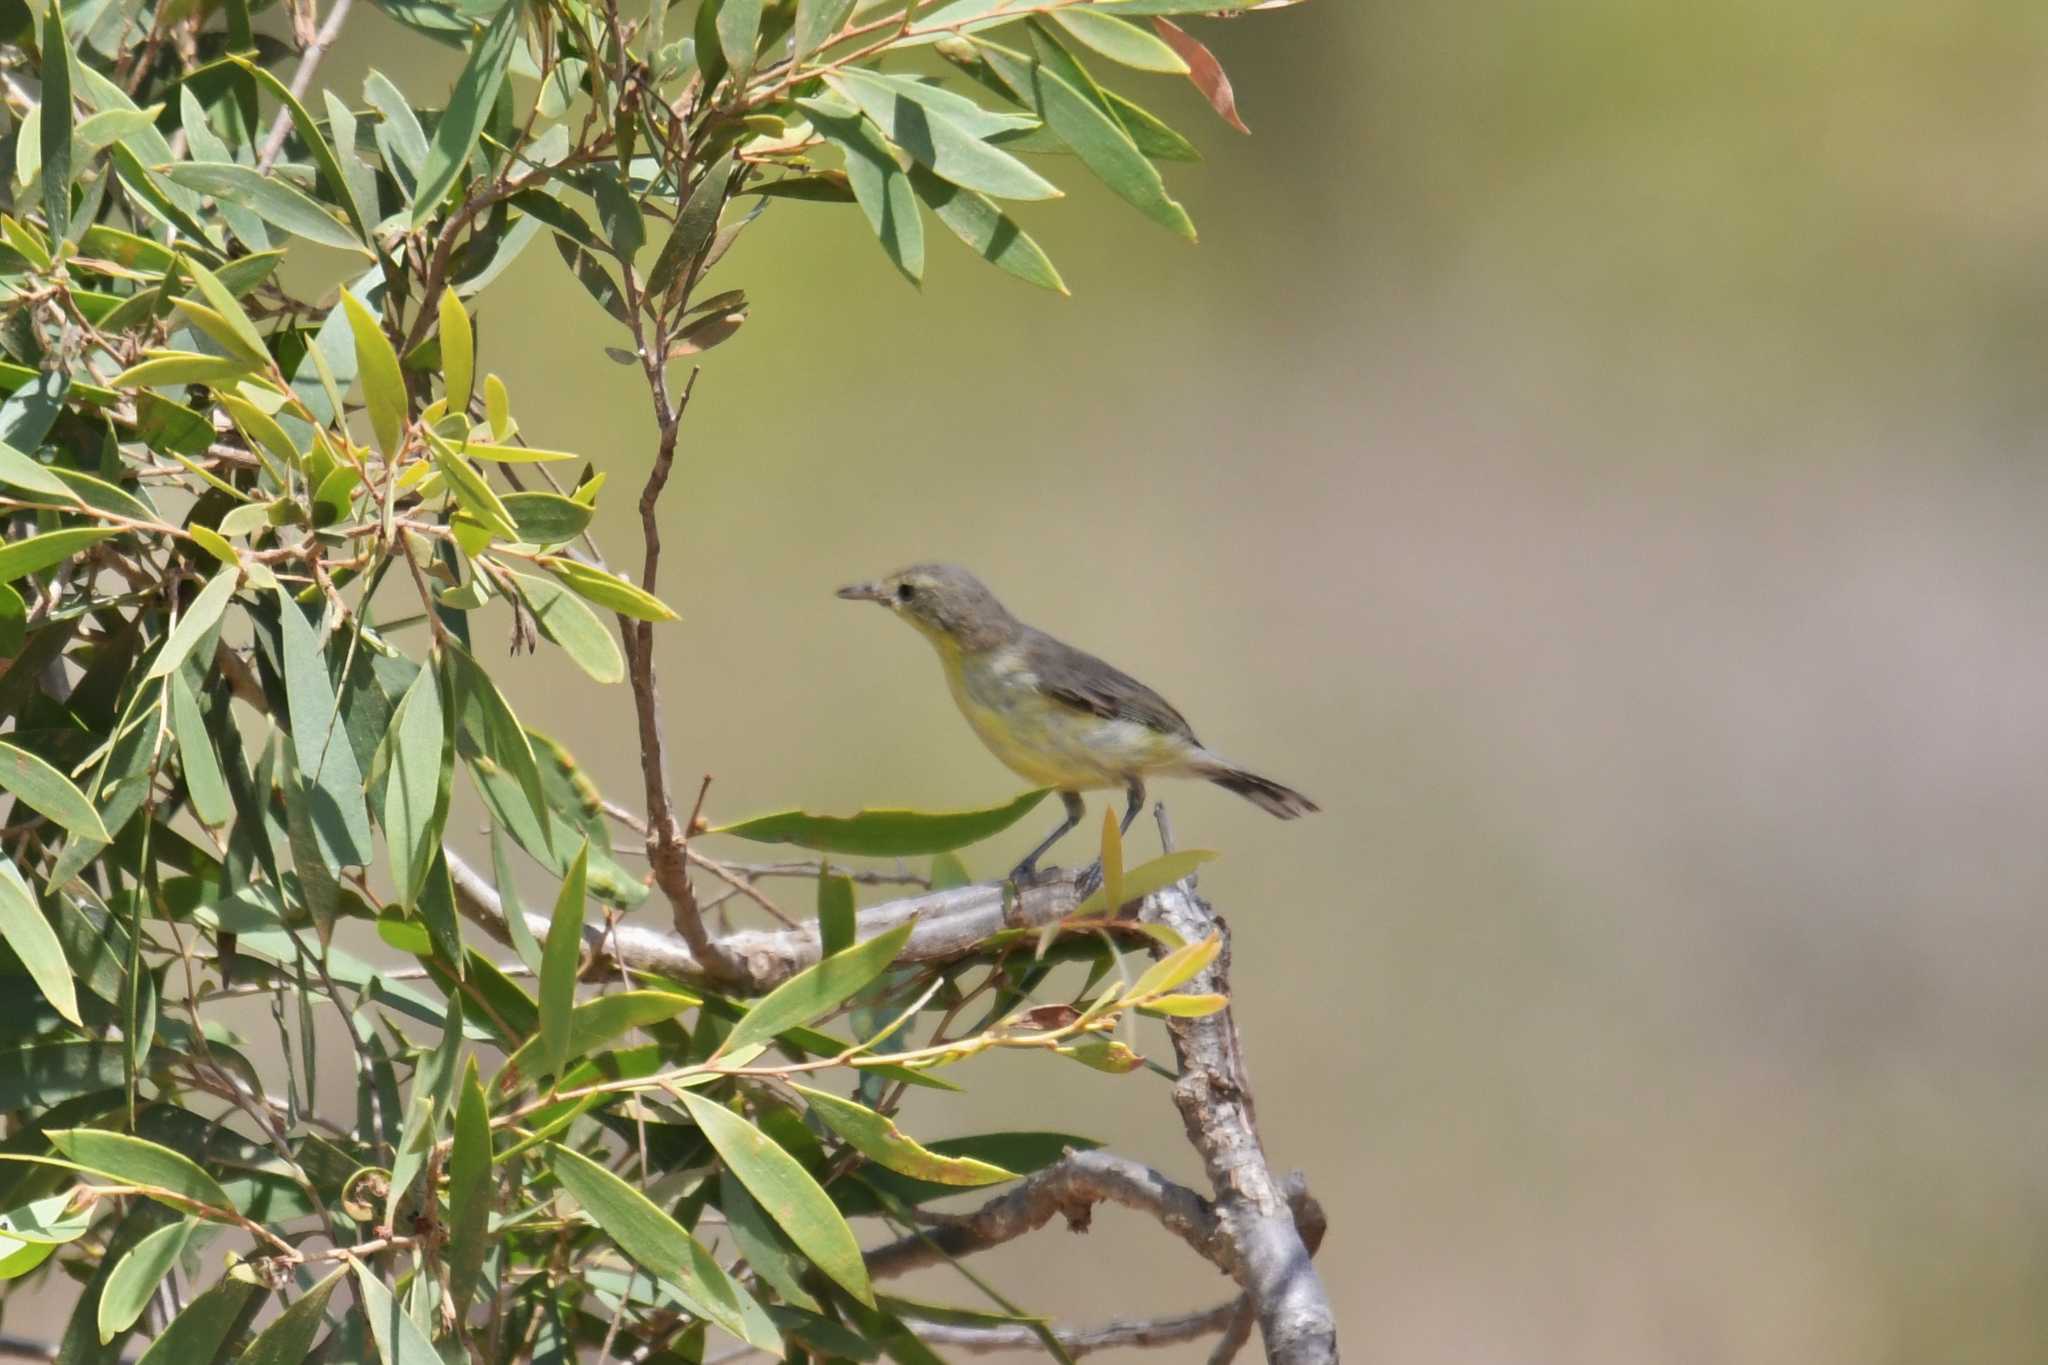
[
  {"x": 1213, "y": 1094},
  {"x": 1076, "y": 1341},
  {"x": 950, "y": 924},
  {"x": 1071, "y": 1187}
]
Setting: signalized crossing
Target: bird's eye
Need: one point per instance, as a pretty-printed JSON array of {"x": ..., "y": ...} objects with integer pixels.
[{"x": 904, "y": 592}]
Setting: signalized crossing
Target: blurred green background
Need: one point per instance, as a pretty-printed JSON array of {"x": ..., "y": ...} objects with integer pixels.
[{"x": 1594, "y": 452}]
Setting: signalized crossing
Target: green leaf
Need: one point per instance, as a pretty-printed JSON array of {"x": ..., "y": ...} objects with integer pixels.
[
  {"x": 595, "y": 585},
  {"x": 498, "y": 410},
  {"x": 739, "y": 32},
  {"x": 13, "y": 622},
  {"x": 594, "y": 1023},
  {"x": 1097, "y": 138},
  {"x": 817, "y": 990},
  {"x": 458, "y": 352},
  {"x": 205, "y": 783},
  {"x": 29, "y": 934},
  {"x": 885, "y": 833},
  {"x": 199, "y": 618},
  {"x": 273, "y": 200},
  {"x": 546, "y": 518},
  {"x": 560, "y": 958},
  {"x": 164, "y": 369},
  {"x": 695, "y": 225},
  {"x": 660, "y": 1245},
  {"x": 247, "y": 340},
  {"x": 836, "y": 918},
  {"x": 48, "y": 1073},
  {"x": 199, "y": 1333},
  {"x": 400, "y": 127},
  {"x": 879, "y": 184},
  {"x": 48, "y": 792},
  {"x": 289, "y": 1338},
  {"x": 415, "y": 772},
  {"x": 786, "y": 1191},
  {"x": 20, "y": 471},
  {"x": 496, "y": 729},
  {"x": 934, "y": 140},
  {"x": 563, "y": 618},
  {"x": 377, "y": 366},
  {"x": 400, "y": 1341},
  {"x": 469, "y": 108},
  {"x": 817, "y": 21},
  {"x": 1144, "y": 879},
  {"x": 136, "y": 1161},
  {"x": 473, "y": 492},
  {"x": 326, "y": 760},
  {"x": 516, "y": 927},
  {"x": 1176, "y": 969},
  {"x": 469, "y": 1190},
  {"x": 1112, "y": 859},
  {"x": 136, "y": 1275},
  {"x": 878, "y": 1139},
  {"x": 989, "y": 232},
  {"x": 37, "y": 553},
  {"x": 56, "y": 123},
  {"x": 337, "y": 183},
  {"x": 1120, "y": 40}
]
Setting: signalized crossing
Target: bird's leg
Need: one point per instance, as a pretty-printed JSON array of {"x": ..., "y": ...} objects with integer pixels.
[
  {"x": 1076, "y": 808},
  {"x": 1092, "y": 878}
]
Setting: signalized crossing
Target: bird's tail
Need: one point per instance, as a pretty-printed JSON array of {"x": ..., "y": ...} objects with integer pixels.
[{"x": 1263, "y": 792}]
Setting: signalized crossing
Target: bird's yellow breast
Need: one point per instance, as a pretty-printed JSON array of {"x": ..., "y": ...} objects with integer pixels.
[{"x": 1044, "y": 740}]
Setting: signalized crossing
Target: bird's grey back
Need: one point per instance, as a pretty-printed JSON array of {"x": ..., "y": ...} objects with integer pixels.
[{"x": 1084, "y": 682}]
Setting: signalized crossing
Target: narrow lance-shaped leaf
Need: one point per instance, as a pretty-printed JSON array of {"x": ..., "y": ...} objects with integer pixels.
[
  {"x": 289, "y": 1337},
  {"x": 469, "y": 1189},
  {"x": 36, "y": 553},
  {"x": 29, "y": 934},
  {"x": 594, "y": 585},
  {"x": 273, "y": 200},
  {"x": 836, "y": 918},
  {"x": 785, "y": 1190},
  {"x": 1144, "y": 879},
  {"x": 879, "y": 184},
  {"x": 137, "y": 1161},
  {"x": 560, "y": 958},
  {"x": 331, "y": 173},
  {"x": 1101, "y": 142},
  {"x": 399, "y": 1340},
  {"x": 739, "y": 30},
  {"x": 877, "y": 1138},
  {"x": 56, "y": 122},
  {"x": 200, "y": 617},
  {"x": 660, "y": 1244},
  {"x": 383, "y": 382},
  {"x": 817, "y": 990},
  {"x": 458, "y": 352},
  {"x": 48, "y": 792},
  {"x": 694, "y": 226},
  {"x": 934, "y": 140},
  {"x": 137, "y": 1274},
  {"x": 989, "y": 232},
  {"x": 205, "y": 1326},
  {"x": 817, "y": 21},
  {"x": 469, "y": 108},
  {"x": 205, "y": 782},
  {"x": 326, "y": 761},
  {"x": 415, "y": 770},
  {"x": 886, "y": 833},
  {"x": 1120, "y": 40},
  {"x": 563, "y": 618},
  {"x": 1204, "y": 70}
]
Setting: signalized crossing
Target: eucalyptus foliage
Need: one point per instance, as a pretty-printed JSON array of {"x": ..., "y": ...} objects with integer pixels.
[{"x": 258, "y": 483}]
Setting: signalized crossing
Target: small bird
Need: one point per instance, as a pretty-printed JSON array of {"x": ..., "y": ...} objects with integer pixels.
[{"x": 1052, "y": 714}]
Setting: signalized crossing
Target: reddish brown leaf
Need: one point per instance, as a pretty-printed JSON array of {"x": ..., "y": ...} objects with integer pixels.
[
  {"x": 1049, "y": 1016},
  {"x": 1204, "y": 70}
]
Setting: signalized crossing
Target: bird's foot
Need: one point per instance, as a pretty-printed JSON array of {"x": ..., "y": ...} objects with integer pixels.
[
  {"x": 1087, "y": 883},
  {"x": 1029, "y": 874}
]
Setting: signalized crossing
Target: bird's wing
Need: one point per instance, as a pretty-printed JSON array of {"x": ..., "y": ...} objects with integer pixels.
[{"x": 1086, "y": 683}]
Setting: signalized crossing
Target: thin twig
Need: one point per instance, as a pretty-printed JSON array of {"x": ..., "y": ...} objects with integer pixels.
[{"x": 309, "y": 62}]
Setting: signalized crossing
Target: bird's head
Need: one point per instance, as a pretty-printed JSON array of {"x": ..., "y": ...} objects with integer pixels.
[{"x": 946, "y": 602}]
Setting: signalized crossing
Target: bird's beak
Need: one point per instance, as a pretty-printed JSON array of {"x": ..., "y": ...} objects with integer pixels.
[{"x": 864, "y": 592}]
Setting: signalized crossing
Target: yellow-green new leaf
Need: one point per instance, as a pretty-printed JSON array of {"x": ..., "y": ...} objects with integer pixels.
[
  {"x": 559, "y": 960},
  {"x": 474, "y": 492},
  {"x": 605, "y": 590},
  {"x": 29, "y": 934},
  {"x": 1145, "y": 878},
  {"x": 880, "y": 1140},
  {"x": 458, "y": 352},
  {"x": 246, "y": 340},
  {"x": 202, "y": 616},
  {"x": 785, "y": 1190},
  {"x": 383, "y": 382},
  {"x": 1176, "y": 969}
]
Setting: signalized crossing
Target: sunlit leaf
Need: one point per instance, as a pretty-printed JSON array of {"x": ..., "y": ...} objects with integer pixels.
[
  {"x": 335, "y": 807},
  {"x": 383, "y": 383},
  {"x": 1145, "y": 878},
  {"x": 48, "y": 792},
  {"x": 199, "y": 1333},
  {"x": 415, "y": 772},
  {"x": 33, "y": 554},
  {"x": 989, "y": 232},
  {"x": 399, "y": 1340},
  {"x": 661, "y": 1245},
  {"x": 458, "y": 352},
  {"x": 878, "y": 1138},
  {"x": 785, "y": 1190},
  {"x": 817, "y": 990},
  {"x": 273, "y": 200},
  {"x": 28, "y": 933},
  {"x": 563, "y": 618},
  {"x": 595, "y": 585},
  {"x": 136, "y": 1161},
  {"x": 1204, "y": 70},
  {"x": 561, "y": 956},
  {"x": 879, "y": 185},
  {"x": 885, "y": 833},
  {"x": 928, "y": 132},
  {"x": 136, "y": 1274},
  {"x": 817, "y": 21},
  {"x": 200, "y": 617},
  {"x": 1119, "y": 40},
  {"x": 469, "y": 107},
  {"x": 289, "y": 1337}
]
